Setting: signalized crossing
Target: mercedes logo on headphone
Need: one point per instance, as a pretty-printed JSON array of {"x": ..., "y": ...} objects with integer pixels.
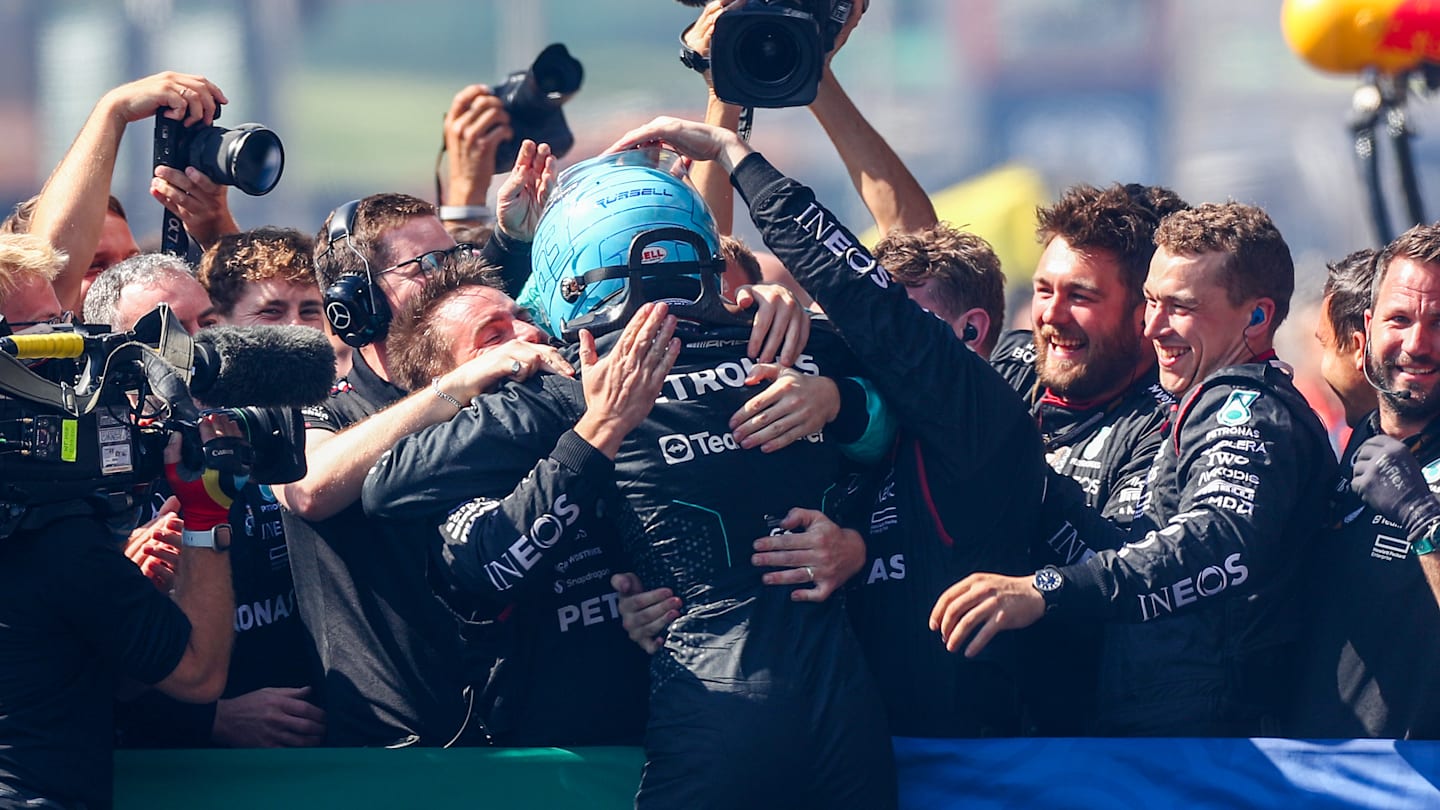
[{"x": 339, "y": 315}]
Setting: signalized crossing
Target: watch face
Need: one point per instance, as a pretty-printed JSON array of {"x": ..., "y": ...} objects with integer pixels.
[{"x": 1048, "y": 580}]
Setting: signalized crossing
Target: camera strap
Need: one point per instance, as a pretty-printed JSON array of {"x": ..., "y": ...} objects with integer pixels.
[
  {"x": 747, "y": 122},
  {"x": 20, "y": 382}
]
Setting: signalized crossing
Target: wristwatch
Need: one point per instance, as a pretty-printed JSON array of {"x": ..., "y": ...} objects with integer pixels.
[
  {"x": 691, "y": 58},
  {"x": 1049, "y": 582},
  {"x": 1425, "y": 543},
  {"x": 217, "y": 538}
]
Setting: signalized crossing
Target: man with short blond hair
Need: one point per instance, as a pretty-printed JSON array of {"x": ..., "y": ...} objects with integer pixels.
[{"x": 27, "y": 266}]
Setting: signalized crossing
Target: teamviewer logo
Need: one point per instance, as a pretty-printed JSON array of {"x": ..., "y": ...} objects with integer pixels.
[{"x": 676, "y": 448}]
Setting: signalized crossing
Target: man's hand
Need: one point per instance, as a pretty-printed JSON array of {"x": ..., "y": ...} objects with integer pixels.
[
  {"x": 205, "y": 500},
  {"x": 856, "y": 12},
  {"x": 982, "y": 605},
  {"x": 794, "y": 406},
  {"x": 201, "y": 203},
  {"x": 1388, "y": 479},
  {"x": 817, "y": 550},
  {"x": 475, "y": 126},
  {"x": 645, "y": 614},
  {"x": 698, "y": 35},
  {"x": 155, "y": 546},
  {"x": 513, "y": 360},
  {"x": 273, "y": 717},
  {"x": 782, "y": 326},
  {"x": 186, "y": 98},
  {"x": 692, "y": 139},
  {"x": 523, "y": 194},
  {"x": 621, "y": 388}
]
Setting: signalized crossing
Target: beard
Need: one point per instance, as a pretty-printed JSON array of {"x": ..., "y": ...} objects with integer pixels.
[
  {"x": 1110, "y": 361},
  {"x": 1411, "y": 403}
]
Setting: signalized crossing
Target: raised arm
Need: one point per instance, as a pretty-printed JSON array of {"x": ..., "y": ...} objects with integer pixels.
[
  {"x": 71, "y": 210},
  {"x": 891, "y": 193}
]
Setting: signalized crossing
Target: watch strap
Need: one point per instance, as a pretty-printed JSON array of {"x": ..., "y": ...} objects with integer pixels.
[
  {"x": 205, "y": 538},
  {"x": 1425, "y": 543},
  {"x": 691, "y": 58}
]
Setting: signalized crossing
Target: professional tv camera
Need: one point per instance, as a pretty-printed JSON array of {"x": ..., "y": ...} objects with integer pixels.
[
  {"x": 769, "y": 53},
  {"x": 85, "y": 415}
]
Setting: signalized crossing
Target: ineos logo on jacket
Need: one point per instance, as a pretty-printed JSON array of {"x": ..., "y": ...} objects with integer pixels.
[
  {"x": 1211, "y": 581},
  {"x": 840, "y": 243},
  {"x": 521, "y": 556}
]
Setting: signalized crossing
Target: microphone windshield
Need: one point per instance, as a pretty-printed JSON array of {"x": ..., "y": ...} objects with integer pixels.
[{"x": 263, "y": 366}]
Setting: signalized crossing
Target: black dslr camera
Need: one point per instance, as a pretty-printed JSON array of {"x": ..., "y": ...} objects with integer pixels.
[
  {"x": 533, "y": 98},
  {"x": 248, "y": 157},
  {"x": 769, "y": 53}
]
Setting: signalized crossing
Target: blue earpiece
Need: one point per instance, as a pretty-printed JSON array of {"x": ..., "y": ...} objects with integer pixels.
[{"x": 1257, "y": 317}]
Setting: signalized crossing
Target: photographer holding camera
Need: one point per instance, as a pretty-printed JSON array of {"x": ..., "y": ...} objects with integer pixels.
[
  {"x": 71, "y": 211},
  {"x": 77, "y": 617}
]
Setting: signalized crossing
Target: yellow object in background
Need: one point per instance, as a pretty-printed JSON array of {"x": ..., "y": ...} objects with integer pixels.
[
  {"x": 1347, "y": 36},
  {"x": 998, "y": 206}
]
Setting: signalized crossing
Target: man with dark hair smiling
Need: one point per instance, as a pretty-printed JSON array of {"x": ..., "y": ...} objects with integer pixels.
[
  {"x": 1093, "y": 391},
  {"x": 1233, "y": 499},
  {"x": 1372, "y": 611}
]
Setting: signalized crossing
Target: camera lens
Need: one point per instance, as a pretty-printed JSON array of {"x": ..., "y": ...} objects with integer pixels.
[
  {"x": 768, "y": 53},
  {"x": 256, "y": 161}
]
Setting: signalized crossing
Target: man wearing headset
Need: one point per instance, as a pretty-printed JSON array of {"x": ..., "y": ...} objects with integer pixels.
[
  {"x": 1371, "y": 608},
  {"x": 389, "y": 651}
]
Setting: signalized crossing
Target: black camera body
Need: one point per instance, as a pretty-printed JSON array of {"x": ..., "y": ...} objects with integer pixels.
[
  {"x": 248, "y": 157},
  {"x": 533, "y": 98},
  {"x": 770, "y": 53},
  {"x": 87, "y": 436}
]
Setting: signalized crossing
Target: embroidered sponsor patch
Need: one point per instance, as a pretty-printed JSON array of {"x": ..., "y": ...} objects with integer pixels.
[{"x": 1237, "y": 408}]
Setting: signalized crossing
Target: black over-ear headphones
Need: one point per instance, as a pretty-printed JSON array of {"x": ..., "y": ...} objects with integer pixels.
[
  {"x": 969, "y": 333},
  {"x": 356, "y": 313}
]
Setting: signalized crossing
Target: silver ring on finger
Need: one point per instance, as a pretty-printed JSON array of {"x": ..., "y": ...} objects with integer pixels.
[
  {"x": 514, "y": 367},
  {"x": 810, "y": 572}
]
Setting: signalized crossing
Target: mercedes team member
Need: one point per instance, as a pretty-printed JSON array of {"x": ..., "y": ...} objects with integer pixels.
[
  {"x": 1095, "y": 395},
  {"x": 967, "y": 471},
  {"x": 1199, "y": 601},
  {"x": 756, "y": 698},
  {"x": 1372, "y": 644}
]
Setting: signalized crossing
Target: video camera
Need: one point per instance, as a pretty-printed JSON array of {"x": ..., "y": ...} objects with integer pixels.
[
  {"x": 769, "y": 53},
  {"x": 83, "y": 431},
  {"x": 533, "y": 99}
]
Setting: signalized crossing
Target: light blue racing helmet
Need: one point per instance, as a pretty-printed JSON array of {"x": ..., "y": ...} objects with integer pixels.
[{"x": 620, "y": 230}]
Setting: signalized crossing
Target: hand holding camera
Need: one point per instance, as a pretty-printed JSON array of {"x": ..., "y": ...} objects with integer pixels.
[
  {"x": 182, "y": 97},
  {"x": 475, "y": 127},
  {"x": 205, "y": 499}
]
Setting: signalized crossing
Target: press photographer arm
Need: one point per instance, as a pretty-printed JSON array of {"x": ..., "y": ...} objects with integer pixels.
[
  {"x": 203, "y": 588},
  {"x": 70, "y": 212},
  {"x": 711, "y": 180},
  {"x": 475, "y": 126},
  {"x": 890, "y": 192}
]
